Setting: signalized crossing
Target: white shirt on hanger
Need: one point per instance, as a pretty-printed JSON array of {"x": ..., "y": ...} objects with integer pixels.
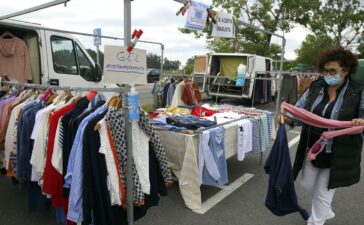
[
  {"x": 112, "y": 178},
  {"x": 57, "y": 156},
  {"x": 140, "y": 145},
  {"x": 177, "y": 96},
  {"x": 245, "y": 137}
]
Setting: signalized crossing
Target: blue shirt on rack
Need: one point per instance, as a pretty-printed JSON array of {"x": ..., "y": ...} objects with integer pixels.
[{"x": 73, "y": 178}]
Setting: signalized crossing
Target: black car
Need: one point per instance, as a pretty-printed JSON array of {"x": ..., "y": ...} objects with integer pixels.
[{"x": 153, "y": 75}]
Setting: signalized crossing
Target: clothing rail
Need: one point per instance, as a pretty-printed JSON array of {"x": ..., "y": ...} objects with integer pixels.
[
  {"x": 199, "y": 131},
  {"x": 289, "y": 73},
  {"x": 124, "y": 91},
  {"x": 210, "y": 76},
  {"x": 52, "y": 87}
]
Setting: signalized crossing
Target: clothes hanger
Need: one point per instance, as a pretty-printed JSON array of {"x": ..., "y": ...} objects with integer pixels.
[{"x": 7, "y": 34}]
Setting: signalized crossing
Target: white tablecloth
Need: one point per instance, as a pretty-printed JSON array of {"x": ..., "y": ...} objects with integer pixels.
[{"x": 182, "y": 154}]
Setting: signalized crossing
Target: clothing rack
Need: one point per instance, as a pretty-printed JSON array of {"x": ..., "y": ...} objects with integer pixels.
[
  {"x": 124, "y": 91},
  {"x": 52, "y": 87},
  {"x": 210, "y": 76},
  {"x": 200, "y": 131}
]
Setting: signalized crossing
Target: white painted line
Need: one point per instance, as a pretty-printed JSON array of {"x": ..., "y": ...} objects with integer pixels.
[
  {"x": 294, "y": 141},
  {"x": 227, "y": 190},
  {"x": 295, "y": 132}
]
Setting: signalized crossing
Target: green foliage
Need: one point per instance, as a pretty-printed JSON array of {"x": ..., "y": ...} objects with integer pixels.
[
  {"x": 93, "y": 55},
  {"x": 361, "y": 47},
  {"x": 188, "y": 68},
  {"x": 153, "y": 61},
  {"x": 311, "y": 47},
  {"x": 171, "y": 64},
  {"x": 342, "y": 20}
]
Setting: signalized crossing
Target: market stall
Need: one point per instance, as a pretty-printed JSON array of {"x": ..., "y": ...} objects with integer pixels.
[{"x": 184, "y": 146}]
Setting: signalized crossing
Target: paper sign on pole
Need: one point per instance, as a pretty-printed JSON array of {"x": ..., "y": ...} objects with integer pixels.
[
  {"x": 122, "y": 67},
  {"x": 224, "y": 26},
  {"x": 196, "y": 16}
]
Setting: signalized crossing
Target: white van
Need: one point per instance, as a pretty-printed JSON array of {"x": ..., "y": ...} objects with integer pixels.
[
  {"x": 56, "y": 58},
  {"x": 223, "y": 68}
]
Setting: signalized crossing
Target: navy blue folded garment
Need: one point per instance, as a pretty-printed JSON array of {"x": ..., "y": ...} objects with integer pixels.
[
  {"x": 281, "y": 198},
  {"x": 190, "y": 122}
]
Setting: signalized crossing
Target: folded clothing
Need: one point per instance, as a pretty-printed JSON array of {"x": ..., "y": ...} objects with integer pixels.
[{"x": 189, "y": 121}]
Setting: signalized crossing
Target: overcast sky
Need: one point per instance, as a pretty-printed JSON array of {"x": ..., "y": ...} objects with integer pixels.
[{"x": 157, "y": 18}]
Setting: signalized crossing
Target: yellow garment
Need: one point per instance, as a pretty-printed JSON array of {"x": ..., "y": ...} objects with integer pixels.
[
  {"x": 174, "y": 110},
  {"x": 229, "y": 66}
]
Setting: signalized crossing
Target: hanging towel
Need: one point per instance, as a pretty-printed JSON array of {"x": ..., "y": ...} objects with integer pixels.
[{"x": 281, "y": 198}]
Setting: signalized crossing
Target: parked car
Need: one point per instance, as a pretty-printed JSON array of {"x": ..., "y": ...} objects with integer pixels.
[{"x": 153, "y": 75}]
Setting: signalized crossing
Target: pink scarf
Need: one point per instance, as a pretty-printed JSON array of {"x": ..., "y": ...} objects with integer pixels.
[{"x": 317, "y": 121}]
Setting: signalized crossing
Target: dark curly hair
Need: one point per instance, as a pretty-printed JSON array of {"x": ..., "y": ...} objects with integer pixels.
[{"x": 344, "y": 57}]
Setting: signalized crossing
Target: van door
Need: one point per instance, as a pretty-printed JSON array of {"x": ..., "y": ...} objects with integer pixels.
[{"x": 68, "y": 62}]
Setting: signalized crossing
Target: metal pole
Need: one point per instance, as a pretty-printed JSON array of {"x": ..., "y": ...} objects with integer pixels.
[
  {"x": 97, "y": 55},
  {"x": 162, "y": 60},
  {"x": 129, "y": 172},
  {"x": 278, "y": 100},
  {"x": 35, "y": 8}
]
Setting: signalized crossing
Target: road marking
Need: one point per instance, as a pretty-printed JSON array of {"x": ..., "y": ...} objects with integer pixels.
[
  {"x": 295, "y": 132},
  {"x": 294, "y": 141},
  {"x": 226, "y": 191}
]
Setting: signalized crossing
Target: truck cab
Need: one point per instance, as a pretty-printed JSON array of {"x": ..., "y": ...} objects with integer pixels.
[{"x": 56, "y": 58}]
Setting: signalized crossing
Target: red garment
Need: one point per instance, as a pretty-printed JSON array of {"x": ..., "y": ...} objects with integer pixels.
[
  {"x": 52, "y": 180},
  {"x": 190, "y": 93},
  {"x": 201, "y": 111}
]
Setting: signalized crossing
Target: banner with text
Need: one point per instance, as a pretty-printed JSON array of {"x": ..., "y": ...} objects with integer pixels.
[
  {"x": 196, "y": 16},
  {"x": 122, "y": 67},
  {"x": 224, "y": 26}
]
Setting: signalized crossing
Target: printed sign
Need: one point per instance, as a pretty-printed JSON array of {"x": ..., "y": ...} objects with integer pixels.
[
  {"x": 97, "y": 38},
  {"x": 224, "y": 26},
  {"x": 122, "y": 67},
  {"x": 196, "y": 16}
]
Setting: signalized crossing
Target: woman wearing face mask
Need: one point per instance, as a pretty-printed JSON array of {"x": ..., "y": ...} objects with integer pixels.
[{"x": 337, "y": 97}]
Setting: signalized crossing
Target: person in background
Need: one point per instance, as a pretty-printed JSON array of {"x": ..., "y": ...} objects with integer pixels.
[{"x": 334, "y": 96}]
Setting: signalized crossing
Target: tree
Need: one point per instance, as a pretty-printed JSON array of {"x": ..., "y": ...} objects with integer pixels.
[
  {"x": 171, "y": 64},
  {"x": 361, "y": 47},
  {"x": 153, "y": 61},
  {"x": 93, "y": 54},
  {"x": 271, "y": 15},
  {"x": 342, "y": 20},
  {"x": 311, "y": 47},
  {"x": 188, "y": 68}
]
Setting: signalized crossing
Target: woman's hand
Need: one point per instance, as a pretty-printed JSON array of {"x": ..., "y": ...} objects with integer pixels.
[
  {"x": 358, "y": 122},
  {"x": 287, "y": 120}
]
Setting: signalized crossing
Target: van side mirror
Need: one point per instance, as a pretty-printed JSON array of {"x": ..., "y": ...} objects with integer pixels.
[{"x": 98, "y": 72}]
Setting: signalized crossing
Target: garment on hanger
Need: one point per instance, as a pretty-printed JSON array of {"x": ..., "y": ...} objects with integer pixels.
[
  {"x": 36, "y": 158},
  {"x": 14, "y": 58}
]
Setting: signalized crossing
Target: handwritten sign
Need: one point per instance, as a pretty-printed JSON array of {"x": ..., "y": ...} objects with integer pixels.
[
  {"x": 122, "y": 67},
  {"x": 196, "y": 16},
  {"x": 224, "y": 26}
]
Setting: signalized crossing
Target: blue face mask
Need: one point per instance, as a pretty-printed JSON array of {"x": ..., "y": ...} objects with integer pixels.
[{"x": 333, "y": 80}]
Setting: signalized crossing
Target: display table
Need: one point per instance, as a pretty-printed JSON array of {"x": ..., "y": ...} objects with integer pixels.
[{"x": 182, "y": 155}]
